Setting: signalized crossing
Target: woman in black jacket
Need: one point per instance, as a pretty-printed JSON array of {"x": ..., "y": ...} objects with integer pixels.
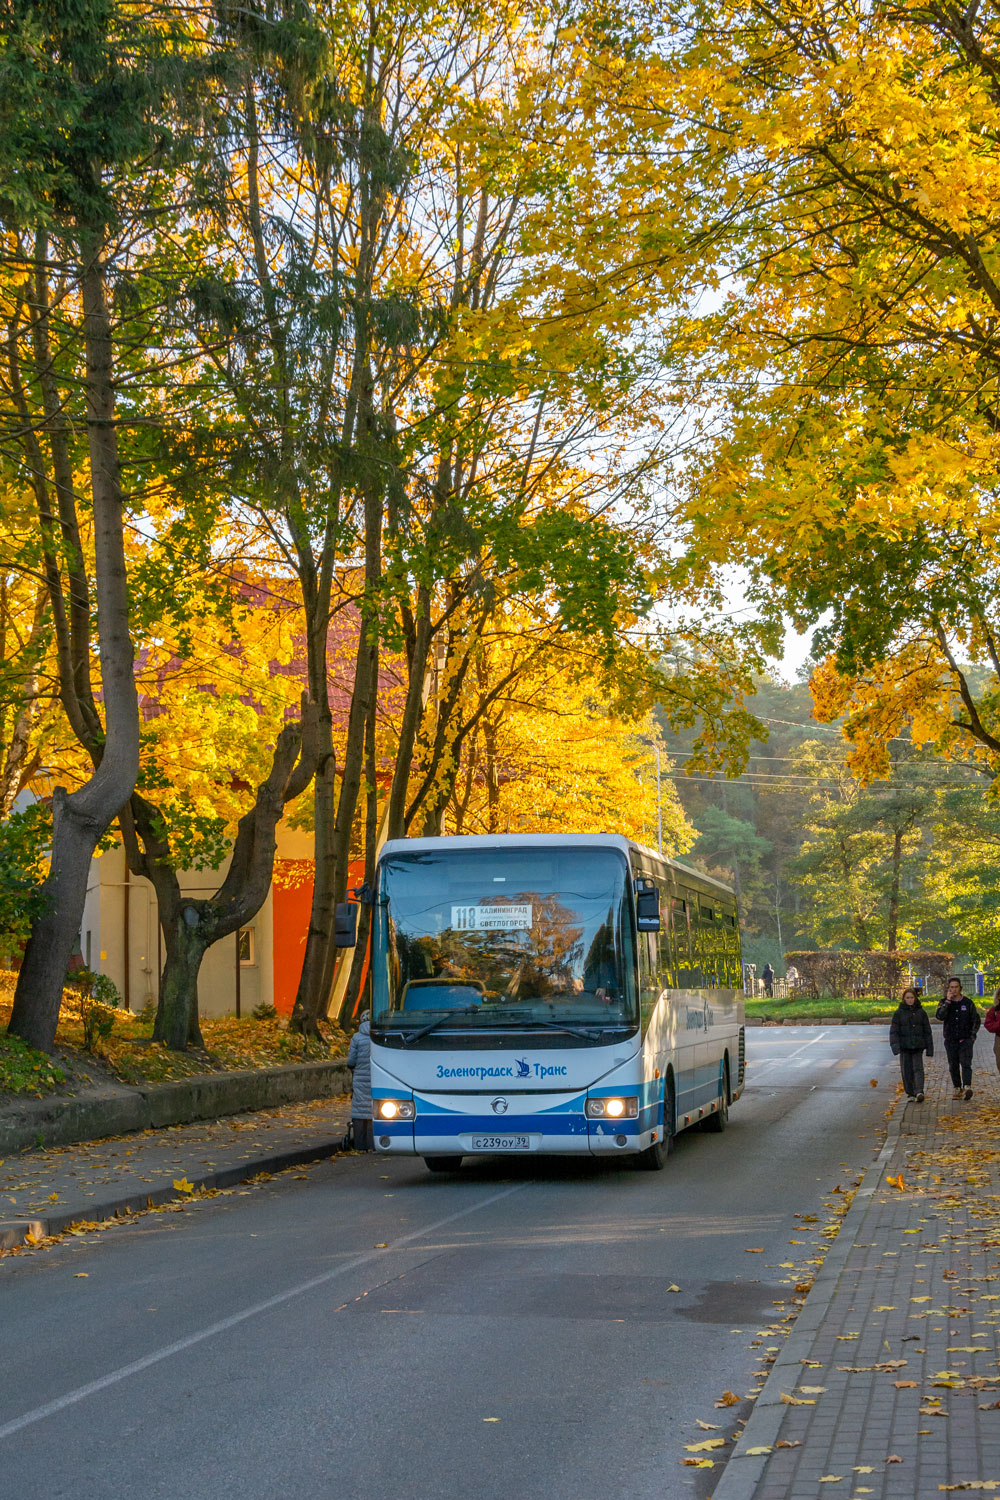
[{"x": 910, "y": 1037}]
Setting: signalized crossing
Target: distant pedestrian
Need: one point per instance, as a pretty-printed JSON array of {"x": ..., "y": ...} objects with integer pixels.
[
  {"x": 910, "y": 1036},
  {"x": 359, "y": 1060},
  {"x": 961, "y": 1022},
  {"x": 991, "y": 1021},
  {"x": 767, "y": 974}
]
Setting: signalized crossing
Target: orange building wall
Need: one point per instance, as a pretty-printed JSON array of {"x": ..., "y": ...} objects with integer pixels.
[{"x": 291, "y": 900}]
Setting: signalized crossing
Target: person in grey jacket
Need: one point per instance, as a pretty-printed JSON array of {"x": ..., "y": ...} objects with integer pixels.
[
  {"x": 359, "y": 1060},
  {"x": 910, "y": 1036}
]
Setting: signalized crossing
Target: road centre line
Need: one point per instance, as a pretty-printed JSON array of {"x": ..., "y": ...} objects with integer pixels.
[{"x": 224, "y": 1324}]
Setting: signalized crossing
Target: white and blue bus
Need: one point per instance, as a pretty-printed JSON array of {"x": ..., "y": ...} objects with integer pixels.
[{"x": 550, "y": 994}]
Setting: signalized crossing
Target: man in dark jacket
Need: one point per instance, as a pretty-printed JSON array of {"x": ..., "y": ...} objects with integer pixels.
[
  {"x": 910, "y": 1036},
  {"x": 961, "y": 1022}
]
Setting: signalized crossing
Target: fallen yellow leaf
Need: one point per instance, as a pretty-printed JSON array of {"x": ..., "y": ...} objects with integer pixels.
[
  {"x": 728, "y": 1398},
  {"x": 182, "y": 1185},
  {"x": 756, "y": 1452},
  {"x": 706, "y": 1446},
  {"x": 795, "y": 1400}
]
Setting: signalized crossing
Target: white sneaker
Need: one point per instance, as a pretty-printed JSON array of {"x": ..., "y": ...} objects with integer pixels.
[
  {"x": 968, "y": 1093},
  {"x": 957, "y": 1093}
]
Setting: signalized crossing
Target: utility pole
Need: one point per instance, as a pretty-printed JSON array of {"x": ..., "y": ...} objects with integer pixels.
[{"x": 659, "y": 803}]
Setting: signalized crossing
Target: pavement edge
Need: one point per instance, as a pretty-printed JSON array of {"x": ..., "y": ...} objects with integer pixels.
[
  {"x": 14, "y": 1232},
  {"x": 744, "y": 1471}
]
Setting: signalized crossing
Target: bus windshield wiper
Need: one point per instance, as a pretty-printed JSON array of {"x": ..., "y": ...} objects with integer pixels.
[
  {"x": 555, "y": 1025},
  {"x": 414, "y": 1036}
]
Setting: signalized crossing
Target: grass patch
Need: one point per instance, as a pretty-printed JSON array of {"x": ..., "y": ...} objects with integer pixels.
[
  {"x": 130, "y": 1054},
  {"x": 805, "y": 1009},
  {"x": 25, "y": 1071}
]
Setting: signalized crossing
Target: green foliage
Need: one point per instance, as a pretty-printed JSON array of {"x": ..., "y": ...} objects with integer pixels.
[
  {"x": 24, "y": 840},
  {"x": 97, "y": 1020},
  {"x": 724, "y": 840}
]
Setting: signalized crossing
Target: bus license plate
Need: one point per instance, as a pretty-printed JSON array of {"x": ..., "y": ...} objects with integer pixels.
[{"x": 501, "y": 1143}]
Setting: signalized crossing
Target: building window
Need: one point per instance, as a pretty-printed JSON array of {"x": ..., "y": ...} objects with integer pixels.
[{"x": 247, "y": 946}]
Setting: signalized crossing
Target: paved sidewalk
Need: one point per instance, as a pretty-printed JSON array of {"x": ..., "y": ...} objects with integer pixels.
[
  {"x": 43, "y": 1192},
  {"x": 894, "y": 1356}
]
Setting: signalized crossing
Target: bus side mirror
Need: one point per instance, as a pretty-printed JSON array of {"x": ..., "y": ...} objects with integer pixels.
[
  {"x": 647, "y": 909},
  {"x": 345, "y": 925}
]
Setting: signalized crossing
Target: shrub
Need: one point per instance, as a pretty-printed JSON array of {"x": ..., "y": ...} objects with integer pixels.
[{"x": 97, "y": 1020}]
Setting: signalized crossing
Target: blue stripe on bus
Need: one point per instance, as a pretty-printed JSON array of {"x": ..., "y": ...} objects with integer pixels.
[
  {"x": 694, "y": 1089},
  {"x": 428, "y": 1107}
]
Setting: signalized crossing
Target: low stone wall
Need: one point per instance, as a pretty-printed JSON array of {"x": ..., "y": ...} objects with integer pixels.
[{"x": 59, "y": 1121}]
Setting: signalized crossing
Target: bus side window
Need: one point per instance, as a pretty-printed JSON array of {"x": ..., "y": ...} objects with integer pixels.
[{"x": 680, "y": 940}]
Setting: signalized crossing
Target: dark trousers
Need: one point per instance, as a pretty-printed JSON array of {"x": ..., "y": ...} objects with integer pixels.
[
  {"x": 911, "y": 1065},
  {"x": 364, "y": 1134},
  {"x": 960, "y": 1061}
]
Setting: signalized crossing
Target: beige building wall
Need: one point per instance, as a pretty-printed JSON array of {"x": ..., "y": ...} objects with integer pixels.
[{"x": 120, "y": 937}]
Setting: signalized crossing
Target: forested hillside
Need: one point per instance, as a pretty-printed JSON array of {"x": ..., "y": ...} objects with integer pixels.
[{"x": 908, "y": 861}]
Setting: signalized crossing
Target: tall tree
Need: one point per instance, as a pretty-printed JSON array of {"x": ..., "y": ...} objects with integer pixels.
[
  {"x": 82, "y": 94},
  {"x": 846, "y": 163}
]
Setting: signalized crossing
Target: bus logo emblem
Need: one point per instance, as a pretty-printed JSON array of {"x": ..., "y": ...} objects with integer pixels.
[
  {"x": 499, "y": 1106},
  {"x": 523, "y": 1071}
]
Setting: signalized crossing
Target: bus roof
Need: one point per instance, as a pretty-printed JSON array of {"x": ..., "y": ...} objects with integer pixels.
[{"x": 549, "y": 841}]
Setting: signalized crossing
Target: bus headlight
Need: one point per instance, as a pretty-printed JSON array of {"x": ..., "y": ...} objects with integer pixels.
[
  {"x": 611, "y": 1109},
  {"x": 394, "y": 1109}
]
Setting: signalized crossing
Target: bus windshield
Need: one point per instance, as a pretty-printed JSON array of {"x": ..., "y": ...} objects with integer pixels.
[{"x": 503, "y": 937}]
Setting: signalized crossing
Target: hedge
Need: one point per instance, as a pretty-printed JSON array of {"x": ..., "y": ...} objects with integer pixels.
[{"x": 829, "y": 972}]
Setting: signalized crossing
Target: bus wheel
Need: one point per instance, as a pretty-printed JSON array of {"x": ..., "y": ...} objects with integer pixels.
[
  {"x": 654, "y": 1158},
  {"x": 717, "y": 1121},
  {"x": 442, "y": 1163}
]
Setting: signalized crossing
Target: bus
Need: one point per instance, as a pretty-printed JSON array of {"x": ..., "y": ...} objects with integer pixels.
[{"x": 568, "y": 994}]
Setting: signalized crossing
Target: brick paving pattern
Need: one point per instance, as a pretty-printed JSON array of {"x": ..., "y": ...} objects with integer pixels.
[{"x": 909, "y": 1246}]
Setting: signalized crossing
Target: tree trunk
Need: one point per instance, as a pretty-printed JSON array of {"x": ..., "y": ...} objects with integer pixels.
[
  {"x": 360, "y": 954},
  {"x": 82, "y": 817},
  {"x": 416, "y": 693},
  {"x": 177, "y": 1014},
  {"x": 892, "y": 937},
  {"x": 309, "y": 996}
]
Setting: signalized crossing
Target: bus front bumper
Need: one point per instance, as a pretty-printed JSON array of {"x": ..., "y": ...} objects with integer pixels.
[{"x": 494, "y": 1125}]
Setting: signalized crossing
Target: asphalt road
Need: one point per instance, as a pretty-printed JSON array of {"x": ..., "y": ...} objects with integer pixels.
[{"x": 517, "y": 1338}]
